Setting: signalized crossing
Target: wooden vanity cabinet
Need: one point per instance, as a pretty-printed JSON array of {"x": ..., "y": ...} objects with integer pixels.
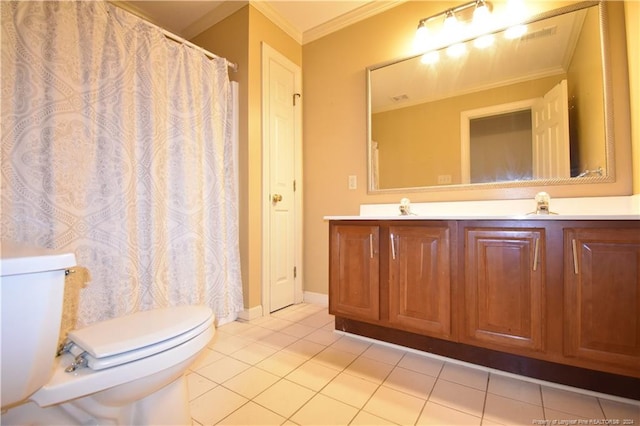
[
  {"x": 557, "y": 300},
  {"x": 602, "y": 296},
  {"x": 393, "y": 274},
  {"x": 354, "y": 273},
  {"x": 504, "y": 275},
  {"x": 419, "y": 292}
]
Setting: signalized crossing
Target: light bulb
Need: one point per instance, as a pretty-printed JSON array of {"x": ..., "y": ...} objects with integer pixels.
[
  {"x": 450, "y": 25},
  {"x": 481, "y": 17},
  {"x": 421, "y": 39}
]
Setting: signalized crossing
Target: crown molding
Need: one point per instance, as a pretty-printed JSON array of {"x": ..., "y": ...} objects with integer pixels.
[
  {"x": 272, "y": 14},
  {"x": 349, "y": 18},
  {"x": 208, "y": 20}
]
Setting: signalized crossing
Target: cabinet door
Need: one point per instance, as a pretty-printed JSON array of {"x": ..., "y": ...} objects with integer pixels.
[
  {"x": 503, "y": 287},
  {"x": 354, "y": 271},
  {"x": 602, "y": 296},
  {"x": 419, "y": 279}
]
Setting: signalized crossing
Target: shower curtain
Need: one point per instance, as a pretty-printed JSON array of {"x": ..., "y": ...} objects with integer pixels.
[{"x": 117, "y": 145}]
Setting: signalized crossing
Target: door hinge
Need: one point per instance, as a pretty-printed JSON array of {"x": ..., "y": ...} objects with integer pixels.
[
  {"x": 296, "y": 95},
  {"x": 294, "y": 186},
  {"x": 295, "y": 272}
]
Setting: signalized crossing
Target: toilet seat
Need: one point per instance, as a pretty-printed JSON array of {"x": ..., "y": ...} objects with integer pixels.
[{"x": 132, "y": 337}]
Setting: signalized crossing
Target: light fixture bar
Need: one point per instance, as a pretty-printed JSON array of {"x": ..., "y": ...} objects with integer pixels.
[{"x": 455, "y": 10}]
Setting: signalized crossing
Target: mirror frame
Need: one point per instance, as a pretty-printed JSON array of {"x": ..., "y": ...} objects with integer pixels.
[{"x": 609, "y": 141}]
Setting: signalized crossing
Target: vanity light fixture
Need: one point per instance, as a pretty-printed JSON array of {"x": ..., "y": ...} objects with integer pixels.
[{"x": 452, "y": 27}]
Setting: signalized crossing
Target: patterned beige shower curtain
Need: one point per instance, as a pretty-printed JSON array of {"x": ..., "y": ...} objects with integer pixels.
[{"x": 117, "y": 146}]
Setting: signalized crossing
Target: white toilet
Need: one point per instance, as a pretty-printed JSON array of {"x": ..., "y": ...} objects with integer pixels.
[{"x": 128, "y": 370}]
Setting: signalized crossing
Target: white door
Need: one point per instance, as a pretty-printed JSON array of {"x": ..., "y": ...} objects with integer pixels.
[
  {"x": 550, "y": 121},
  {"x": 281, "y": 149}
]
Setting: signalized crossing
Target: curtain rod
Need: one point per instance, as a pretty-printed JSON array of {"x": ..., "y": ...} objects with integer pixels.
[
  {"x": 179, "y": 39},
  {"x": 170, "y": 35}
]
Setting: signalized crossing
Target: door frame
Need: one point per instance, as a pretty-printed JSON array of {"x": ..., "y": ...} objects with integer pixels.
[
  {"x": 465, "y": 124},
  {"x": 269, "y": 53}
]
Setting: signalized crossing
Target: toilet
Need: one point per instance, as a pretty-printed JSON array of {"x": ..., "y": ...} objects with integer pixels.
[{"x": 127, "y": 370}]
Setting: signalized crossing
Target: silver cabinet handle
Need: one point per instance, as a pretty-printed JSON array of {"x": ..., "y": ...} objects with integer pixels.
[
  {"x": 393, "y": 247},
  {"x": 371, "y": 245},
  {"x": 575, "y": 256}
]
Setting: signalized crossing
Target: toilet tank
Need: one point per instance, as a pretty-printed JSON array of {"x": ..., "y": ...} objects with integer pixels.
[{"x": 31, "y": 291}]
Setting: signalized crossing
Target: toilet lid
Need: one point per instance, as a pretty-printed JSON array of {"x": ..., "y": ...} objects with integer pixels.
[{"x": 138, "y": 335}]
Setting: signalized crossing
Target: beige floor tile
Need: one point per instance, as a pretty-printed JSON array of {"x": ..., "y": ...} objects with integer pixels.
[
  {"x": 351, "y": 345},
  {"x": 458, "y": 397},
  {"x": 235, "y": 327},
  {"x": 367, "y": 419},
  {"x": 369, "y": 369},
  {"x": 252, "y": 414},
  {"x": 422, "y": 364},
  {"x": 318, "y": 319},
  {"x": 334, "y": 358},
  {"x": 254, "y": 353},
  {"x": 312, "y": 375},
  {"x": 560, "y": 417},
  {"x": 256, "y": 333},
  {"x": 411, "y": 382},
  {"x": 437, "y": 415},
  {"x": 322, "y": 410},
  {"x": 508, "y": 411},
  {"x": 621, "y": 410},
  {"x": 571, "y": 402},
  {"x": 205, "y": 358},
  {"x": 251, "y": 382},
  {"x": 395, "y": 406},
  {"x": 463, "y": 375},
  {"x": 198, "y": 385},
  {"x": 515, "y": 389},
  {"x": 228, "y": 344},
  {"x": 281, "y": 363},
  {"x": 284, "y": 397},
  {"x": 223, "y": 369},
  {"x": 304, "y": 348},
  {"x": 278, "y": 340},
  {"x": 384, "y": 354},
  {"x": 215, "y": 405},
  {"x": 298, "y": 330},
  {"x": 350, "y": 389},
  {"x": 323, "y": 337},
  {"x": 275, "y": 324}
]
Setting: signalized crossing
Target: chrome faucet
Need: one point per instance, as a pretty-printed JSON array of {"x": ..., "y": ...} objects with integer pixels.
[
  {"x": 542, "y": 204},
  {"x": 405, "y": 207}
]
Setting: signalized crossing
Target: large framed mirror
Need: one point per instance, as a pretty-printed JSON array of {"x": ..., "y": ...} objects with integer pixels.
[{"x": 530, "y": 110}]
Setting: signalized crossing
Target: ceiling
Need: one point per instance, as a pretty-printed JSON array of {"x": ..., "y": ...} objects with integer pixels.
[{"x": 304, "y": 20}]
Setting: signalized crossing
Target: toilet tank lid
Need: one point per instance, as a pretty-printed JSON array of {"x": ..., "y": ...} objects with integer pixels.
[
  {"x": 138, "y": 330},
  {"x": 21, "y": 258}
]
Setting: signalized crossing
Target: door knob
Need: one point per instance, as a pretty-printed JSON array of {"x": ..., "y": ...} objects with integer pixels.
[{"x": 276, "y": 198}]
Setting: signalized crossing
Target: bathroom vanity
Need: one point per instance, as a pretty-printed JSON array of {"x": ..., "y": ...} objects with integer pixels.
[{"x": 553, "y": 297}]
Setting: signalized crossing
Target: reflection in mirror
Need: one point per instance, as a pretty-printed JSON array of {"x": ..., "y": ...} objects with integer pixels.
[{"x": 530, "y": 108}]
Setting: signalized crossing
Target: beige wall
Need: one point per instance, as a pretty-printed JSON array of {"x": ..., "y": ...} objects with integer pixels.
[
  {"x": 239, "y": 38},
  {"x": 335, "y": 124}
]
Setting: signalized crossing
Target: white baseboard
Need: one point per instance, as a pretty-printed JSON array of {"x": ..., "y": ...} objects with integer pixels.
[
  {"x": 316, "y": 298},
  {"x": 248, "y": 314}
]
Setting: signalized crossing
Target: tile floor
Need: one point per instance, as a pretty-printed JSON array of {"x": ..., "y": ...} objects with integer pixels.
[{"x": 291, "y": 368}]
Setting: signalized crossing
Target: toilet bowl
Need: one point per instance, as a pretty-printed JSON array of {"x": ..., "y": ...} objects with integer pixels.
[{"x": 127, "y": 370}]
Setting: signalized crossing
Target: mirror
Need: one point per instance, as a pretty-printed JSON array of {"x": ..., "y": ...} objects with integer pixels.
[{"x": 524, "y": 111}]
